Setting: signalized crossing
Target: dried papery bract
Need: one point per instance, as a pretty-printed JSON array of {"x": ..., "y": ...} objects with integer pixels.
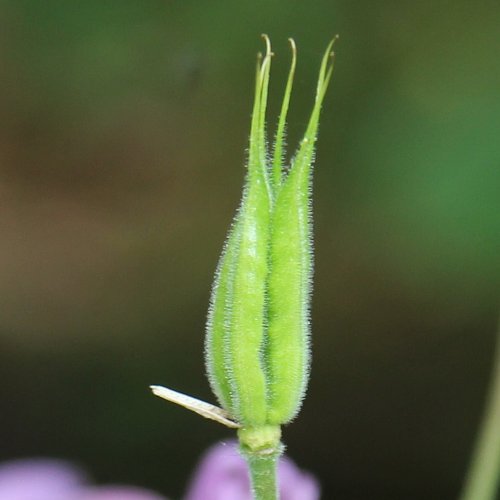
[
  {"x": 206, "y": 410},
  {"x": 257, "y": 337}
]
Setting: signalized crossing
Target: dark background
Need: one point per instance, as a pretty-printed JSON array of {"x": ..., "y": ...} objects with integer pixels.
[{"x": 123, "y": 128}]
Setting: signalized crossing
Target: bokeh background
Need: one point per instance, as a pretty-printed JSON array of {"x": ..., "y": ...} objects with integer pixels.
[{"x": 123, "y": 128}]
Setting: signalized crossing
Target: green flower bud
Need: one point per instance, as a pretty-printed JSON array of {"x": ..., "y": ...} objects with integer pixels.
[{"x": 257, "y": 341}]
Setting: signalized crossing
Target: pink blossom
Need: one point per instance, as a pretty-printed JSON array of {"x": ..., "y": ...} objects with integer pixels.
[
  {"x": 38, "y": 479},
  {"x": 117, "y": 493},
  {"x": 222, "y": 475},
  {"x": 45, "y": 479}
]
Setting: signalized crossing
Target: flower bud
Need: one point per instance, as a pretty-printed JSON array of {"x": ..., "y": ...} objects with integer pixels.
[{"x": 257, "y": 343}]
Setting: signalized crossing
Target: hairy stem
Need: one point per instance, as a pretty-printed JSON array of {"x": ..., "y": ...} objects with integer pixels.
[
  {"x": 481, "y": 482},
  {"x": 263, "y": 476},
  {"x": 262, "y": 448}
]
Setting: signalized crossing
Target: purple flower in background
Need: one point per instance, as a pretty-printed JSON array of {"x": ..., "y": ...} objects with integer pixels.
[
  {"x": 117, "y": 493},
  {"x": 223, "y": 475},
  {"x": 43, "y": 479},
  {"x": 38, "y": 480}
]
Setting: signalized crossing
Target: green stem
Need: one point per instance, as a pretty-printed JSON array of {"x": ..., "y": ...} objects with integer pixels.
[
  {"x": 262, "y": 448},
  {"x": 263, "y": 476},
  {"x": 482, "y": 478}
]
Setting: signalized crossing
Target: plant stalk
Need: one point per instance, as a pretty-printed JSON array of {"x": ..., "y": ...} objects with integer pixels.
[
  {"x": 263, "y": 476},
  {"x": 262, "y": 448},
  {"x": 481, "y": 482}
]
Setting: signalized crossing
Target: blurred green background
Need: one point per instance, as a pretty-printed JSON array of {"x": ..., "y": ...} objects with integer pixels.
[{"x": 123, "y": 128}]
